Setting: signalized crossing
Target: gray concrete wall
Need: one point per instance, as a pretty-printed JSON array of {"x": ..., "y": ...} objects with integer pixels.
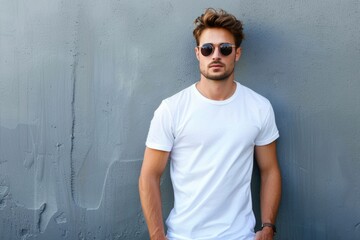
[{"x": 79, "y": 81}]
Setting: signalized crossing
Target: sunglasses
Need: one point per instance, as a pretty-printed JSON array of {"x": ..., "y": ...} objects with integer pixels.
[{"x": 208, "y": 48}]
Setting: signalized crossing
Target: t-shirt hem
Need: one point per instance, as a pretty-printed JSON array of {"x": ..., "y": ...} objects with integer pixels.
[{"x": 250, "y": 236}]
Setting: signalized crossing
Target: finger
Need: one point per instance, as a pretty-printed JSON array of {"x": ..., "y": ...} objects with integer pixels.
[{"x": 258, "y": 236}]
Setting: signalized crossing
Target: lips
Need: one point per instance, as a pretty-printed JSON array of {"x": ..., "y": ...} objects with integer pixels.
[{"x": 216, "y": 65}]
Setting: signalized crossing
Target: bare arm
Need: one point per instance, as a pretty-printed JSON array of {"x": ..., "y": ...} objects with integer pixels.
[
  {"x": 270, "y": 193},
  {"x": 149, "y": 188}
]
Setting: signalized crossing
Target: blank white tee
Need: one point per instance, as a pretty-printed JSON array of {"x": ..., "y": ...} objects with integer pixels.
[{"x": 212, "y": 146}]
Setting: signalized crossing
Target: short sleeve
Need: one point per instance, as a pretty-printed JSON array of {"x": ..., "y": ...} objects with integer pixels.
[
  {"x": 160, "y": 135},
  {"x": 269, "y": 131}
]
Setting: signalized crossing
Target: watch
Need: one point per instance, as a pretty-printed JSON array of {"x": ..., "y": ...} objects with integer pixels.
[{"x": 269, "y": 225}]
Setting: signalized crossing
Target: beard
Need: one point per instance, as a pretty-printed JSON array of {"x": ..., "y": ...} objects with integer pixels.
[{"x": 217, "y": 76}]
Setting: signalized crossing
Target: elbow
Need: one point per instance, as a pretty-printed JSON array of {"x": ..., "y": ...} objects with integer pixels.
[
  {"x": 141, "y": 183},
  {"x": 142, "y": 186},
  {"x": 147, "y": 181},
  {"x": 272, "y": 174}
]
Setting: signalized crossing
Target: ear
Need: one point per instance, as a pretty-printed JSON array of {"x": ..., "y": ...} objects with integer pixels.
[
  {"x": 197, "y": 52},
  {"x": 237, "y": 54}
]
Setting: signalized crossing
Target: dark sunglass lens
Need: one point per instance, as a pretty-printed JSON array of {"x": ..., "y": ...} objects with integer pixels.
[
  {"x": 226, "y": 49},
  {"x": 206, "y": 49}
]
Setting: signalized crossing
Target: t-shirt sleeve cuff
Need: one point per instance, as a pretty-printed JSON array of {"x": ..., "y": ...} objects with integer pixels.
[
  {"x": 158, "y": 146},
  {"x": 268, "y": 141}
]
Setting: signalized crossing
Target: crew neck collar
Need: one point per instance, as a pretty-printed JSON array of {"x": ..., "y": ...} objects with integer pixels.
[{"x": 217, "y": 102}]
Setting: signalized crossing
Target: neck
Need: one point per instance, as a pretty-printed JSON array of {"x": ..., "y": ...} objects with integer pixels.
[{"x": 216, "y": 90}]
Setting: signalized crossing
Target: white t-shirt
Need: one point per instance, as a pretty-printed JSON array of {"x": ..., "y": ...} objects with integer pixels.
[{"x": 212, "y": 145}]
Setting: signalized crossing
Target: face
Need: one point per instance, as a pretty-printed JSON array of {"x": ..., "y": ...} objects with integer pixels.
[{"x": 217, "y": 66}]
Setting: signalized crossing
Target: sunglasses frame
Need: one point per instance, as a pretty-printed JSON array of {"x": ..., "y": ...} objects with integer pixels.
[{"x": 222, "y": 48}]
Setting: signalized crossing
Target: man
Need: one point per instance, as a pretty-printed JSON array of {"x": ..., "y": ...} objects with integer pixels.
[{"x": 211, "y": 131}]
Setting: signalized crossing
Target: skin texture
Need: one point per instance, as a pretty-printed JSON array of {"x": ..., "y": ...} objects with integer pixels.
[
  {"x": 270, "y": 192},
  {"x": 149, "y": 188},
  {"x": 217, "y": 71},
  {"x": 216, "y": 83}
]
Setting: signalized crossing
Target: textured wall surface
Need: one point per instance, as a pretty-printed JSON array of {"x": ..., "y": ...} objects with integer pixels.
[{"x": 79, "y": 81}]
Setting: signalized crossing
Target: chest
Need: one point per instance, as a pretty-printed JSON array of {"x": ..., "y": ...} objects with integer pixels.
[{"x": 231, "y": 125}]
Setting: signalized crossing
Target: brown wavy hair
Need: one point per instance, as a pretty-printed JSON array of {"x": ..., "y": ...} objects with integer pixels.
[{"x": 212, "y": 18}]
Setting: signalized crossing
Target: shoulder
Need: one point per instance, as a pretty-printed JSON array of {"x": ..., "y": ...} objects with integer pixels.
[
  {"x": 179, "y": 98},
  {"x": 253, "y": 98}
]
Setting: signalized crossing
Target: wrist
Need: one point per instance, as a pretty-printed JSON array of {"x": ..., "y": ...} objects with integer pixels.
[
  {"x": 269, "y": 226},
  {"x": 158, "y": 236}
]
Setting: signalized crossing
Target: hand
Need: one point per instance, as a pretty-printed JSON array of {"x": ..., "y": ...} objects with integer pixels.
[
  {"x": 159, "y": 237},
  {"x": 265, "y": 234}
]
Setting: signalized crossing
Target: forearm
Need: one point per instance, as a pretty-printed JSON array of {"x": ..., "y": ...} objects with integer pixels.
[
  {"x": 270, "y": 192},
  {"x": 270, "y": 195},
  {"x": 149, "y": 189}
]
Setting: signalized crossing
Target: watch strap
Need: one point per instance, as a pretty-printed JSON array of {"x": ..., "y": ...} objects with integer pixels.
[{"x": 269, "y": 225}]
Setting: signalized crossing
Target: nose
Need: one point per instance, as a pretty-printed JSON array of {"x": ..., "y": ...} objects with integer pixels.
[{"x": 216, "y": 54}]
